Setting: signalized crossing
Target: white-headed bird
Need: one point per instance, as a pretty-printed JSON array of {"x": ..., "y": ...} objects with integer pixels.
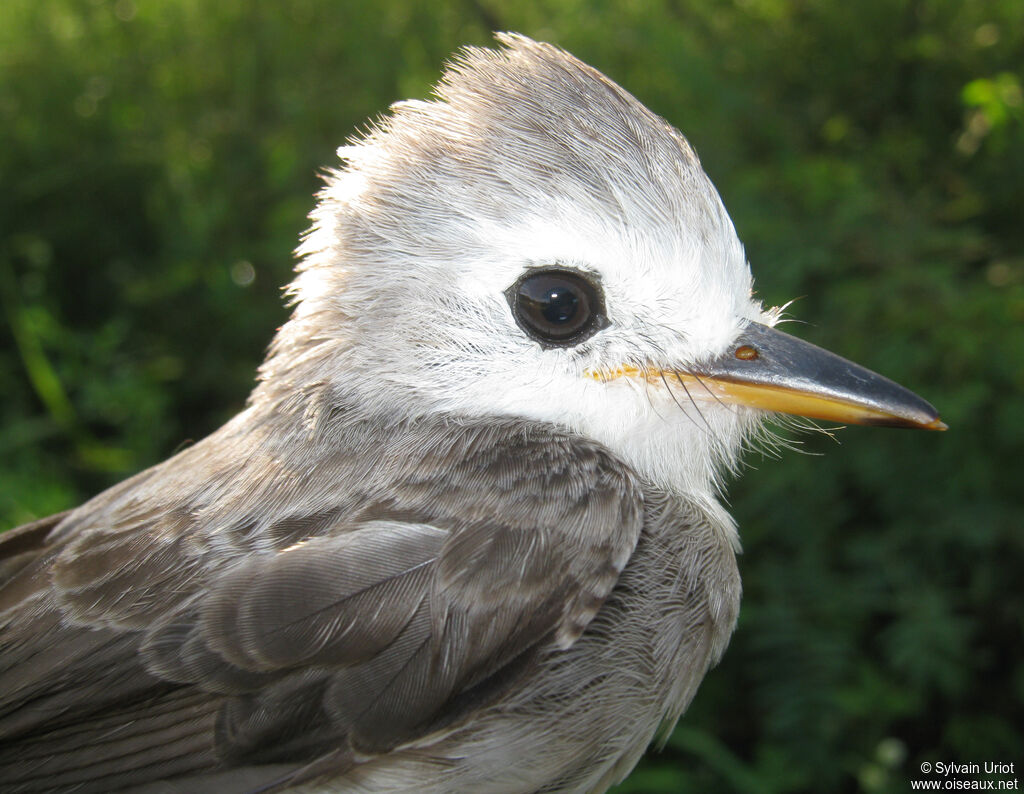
[{"x": 466, "y": 536}]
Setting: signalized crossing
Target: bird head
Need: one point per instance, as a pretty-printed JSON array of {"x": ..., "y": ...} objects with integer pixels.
[{"x": 535, "y": 243}]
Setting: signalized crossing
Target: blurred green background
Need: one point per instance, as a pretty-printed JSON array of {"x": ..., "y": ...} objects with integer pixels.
[{"x": 157, "y": 161}]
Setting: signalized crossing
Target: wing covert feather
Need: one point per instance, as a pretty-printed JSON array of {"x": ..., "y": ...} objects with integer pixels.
[{"x": 408, "y": 597}]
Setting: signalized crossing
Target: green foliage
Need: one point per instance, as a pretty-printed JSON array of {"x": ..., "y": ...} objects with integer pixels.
[{"x": 157, "y": 162}]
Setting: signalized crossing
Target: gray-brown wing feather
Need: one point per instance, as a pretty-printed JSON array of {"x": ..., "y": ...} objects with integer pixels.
[{"x": 388, "y": 606}]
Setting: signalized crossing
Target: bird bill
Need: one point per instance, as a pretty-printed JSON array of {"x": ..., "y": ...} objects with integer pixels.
[{"x": 770, "y": 370}]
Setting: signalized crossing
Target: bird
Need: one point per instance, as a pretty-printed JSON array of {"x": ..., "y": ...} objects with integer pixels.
[{"x": 467, "y": 533}]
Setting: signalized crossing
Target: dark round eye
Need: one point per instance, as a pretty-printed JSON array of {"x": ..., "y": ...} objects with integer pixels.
[{"x": 557, "y": 307}]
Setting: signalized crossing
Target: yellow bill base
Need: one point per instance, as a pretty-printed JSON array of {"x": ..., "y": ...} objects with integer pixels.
[{"x": 769, "y": 397}]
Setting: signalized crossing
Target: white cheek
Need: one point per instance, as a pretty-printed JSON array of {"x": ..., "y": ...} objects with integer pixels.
[
  {"x": 681, "y": 445},
  {"x": 671, "y": 301}
]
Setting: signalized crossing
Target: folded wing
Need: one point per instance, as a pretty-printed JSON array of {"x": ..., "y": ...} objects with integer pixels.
[{"x": 401, "y": 603}]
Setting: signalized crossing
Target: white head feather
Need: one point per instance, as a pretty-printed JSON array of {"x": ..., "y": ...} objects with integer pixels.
[{"x": 528, "y": 157}]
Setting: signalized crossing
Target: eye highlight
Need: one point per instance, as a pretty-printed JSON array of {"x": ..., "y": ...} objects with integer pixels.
[{"x": 556, "y": 306}]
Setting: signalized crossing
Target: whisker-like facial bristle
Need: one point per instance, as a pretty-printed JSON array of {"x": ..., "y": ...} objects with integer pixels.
[
  {"x": 769, "y": 438},
  {"x": 723, "y": 450},
  {"x": 777, "y": 315},
  {"x": 648, "y": 396}
]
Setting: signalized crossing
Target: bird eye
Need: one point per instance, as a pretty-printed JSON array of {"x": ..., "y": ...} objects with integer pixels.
[{"x": 557, "y": 307}]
